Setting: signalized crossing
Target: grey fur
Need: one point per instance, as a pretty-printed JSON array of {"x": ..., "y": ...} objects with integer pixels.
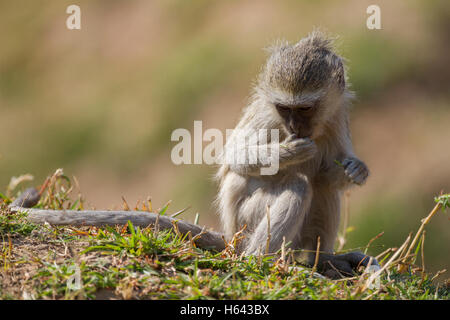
[{"x": 304, "y": 196}]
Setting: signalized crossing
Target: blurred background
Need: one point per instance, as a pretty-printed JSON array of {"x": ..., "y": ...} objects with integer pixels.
[{"x": 102, "y": 102}]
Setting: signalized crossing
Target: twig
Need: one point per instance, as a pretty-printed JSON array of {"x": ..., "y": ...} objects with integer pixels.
[
  {"x": 149, "y": 204},
  {"x": 422, "y": 226},
  {"x": 268, "y": 229},
  {"x": 385, "y": 252},
  {"x": 197, "y": 216},
  {"x": 125, "y": 205},
  {"x": 316, "y": 260},
  {"x": 422, "y": 252},
  {"x": 377, "y": 273},
  {"x": 176, "y": 214},
  {"x": 438, "y": 274},
  {"x": 372, "y": 240},
  {"x": 346, "y": 218}
]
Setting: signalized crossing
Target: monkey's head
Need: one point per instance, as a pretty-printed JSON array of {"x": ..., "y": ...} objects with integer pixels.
[{"x": 304, "y": 83}]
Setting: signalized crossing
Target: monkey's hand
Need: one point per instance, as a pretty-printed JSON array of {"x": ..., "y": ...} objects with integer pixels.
[
  {"x": 345, "y": 265},
  {"x": 355, "y": 170},
  {"x": 295, "y": 150}
]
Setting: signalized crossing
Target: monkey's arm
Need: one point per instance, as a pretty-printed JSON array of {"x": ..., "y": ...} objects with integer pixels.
[
  {"x": 30, "y": 197},
  {"x": 280, "y": 155},
  {"x": 344, "y": 172}
]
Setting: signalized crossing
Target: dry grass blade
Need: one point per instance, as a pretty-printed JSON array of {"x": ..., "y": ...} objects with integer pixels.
[
  {"x": 197, "y": 217},
  {"x": 372, "y": 240},
  {"x": 385, "y": 252},
  {"x": 419, "y": 234},
  {"x": 180, "y": 212},
  {"x": 230, "y": 247},
  {"x": 422, "y": 253},
  {"x": 198, "y": 236},
  {"x": 156, "y": 227},
  {"x": 281, "y": 262},
  {"x": 377, "y": 291},
  {"x": 268, "y": 230},
  {"x": 125, "y": 205},
  {"x": 316, "y": 260},
  {"x": 149, "y": 204},
  {"x": 438, "y": 274},
  {"x": 175, "y": 228},
  {"x": 376, "y": 274},
  {"x": 346, "y": 217},
  {"x": 15, "y": 181}
]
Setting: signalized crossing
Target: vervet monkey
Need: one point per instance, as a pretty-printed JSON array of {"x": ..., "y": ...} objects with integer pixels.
[{"x": 302, "y": 92}]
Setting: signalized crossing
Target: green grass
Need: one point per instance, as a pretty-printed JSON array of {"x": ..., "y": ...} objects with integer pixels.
[
  {"x": 128, "y": 262},
  {"x": 15, "y": 224},
  {"x": 144, "y": 264}
]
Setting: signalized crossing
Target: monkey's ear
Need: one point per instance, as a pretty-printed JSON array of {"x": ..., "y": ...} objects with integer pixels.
[{"x": 339, "y": 74}]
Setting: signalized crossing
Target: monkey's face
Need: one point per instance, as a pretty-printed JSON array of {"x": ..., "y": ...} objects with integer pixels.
[{"x": 298, "y": 119}]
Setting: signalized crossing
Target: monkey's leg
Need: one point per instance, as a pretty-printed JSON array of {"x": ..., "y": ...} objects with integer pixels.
[
  {"x": 323, "y": 221},
  {"x": 286, "y": 215}
]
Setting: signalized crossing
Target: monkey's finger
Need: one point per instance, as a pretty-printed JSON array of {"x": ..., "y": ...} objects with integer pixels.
[
  {"x": 352, "y": 173},
  {"x": 359, "y": 171},
  {"x": 361, "y": 177},
  {"x": 351, "y": 166},
  {"x": 302, "y": 142},
  {"x": 350, "y": 162},
  {"x": 346, "y": 162},
  {"x": 291, "y": 137}
]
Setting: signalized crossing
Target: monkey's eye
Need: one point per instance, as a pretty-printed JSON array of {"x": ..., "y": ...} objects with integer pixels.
[
  {"x": 282, "y": 108},
  {"x": 305, "y": 108}
]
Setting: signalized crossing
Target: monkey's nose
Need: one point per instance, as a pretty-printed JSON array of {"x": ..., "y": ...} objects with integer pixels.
[
  {"x": 293, "y": 129},
  {"x": 297, "y": 132}
]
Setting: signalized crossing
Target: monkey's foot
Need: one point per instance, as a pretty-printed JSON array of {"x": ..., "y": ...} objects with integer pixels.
[{"x": 345, "y": 265}]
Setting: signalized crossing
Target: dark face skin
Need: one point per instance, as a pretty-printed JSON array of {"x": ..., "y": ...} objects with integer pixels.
[{"x": 298, "y": 119}]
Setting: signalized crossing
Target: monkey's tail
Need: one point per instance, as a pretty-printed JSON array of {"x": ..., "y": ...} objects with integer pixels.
[{"x": 203, "y": 238}]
